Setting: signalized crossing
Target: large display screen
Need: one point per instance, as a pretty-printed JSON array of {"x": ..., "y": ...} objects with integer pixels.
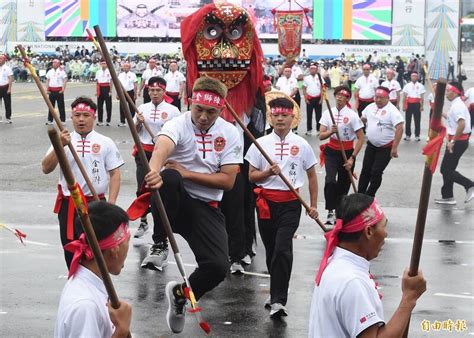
[{"x": 352, "y": 19}]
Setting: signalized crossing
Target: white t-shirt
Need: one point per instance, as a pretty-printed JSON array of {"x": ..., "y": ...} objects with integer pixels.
[
  {"x": 127, "y": 80},
  {"x": 5, "y": 72},
  {"x": 56, "y": 77},
  {"x": 82, "y": 308},
  {"x": 103, "y": 76},
  {"x": 346, "y": 302},
  {"x": 347, "y": 120},
  {"x": 286, "y": 85},
  {"x": 414, "y": 90},
  {"x": 394, "y": 87},
  {"x": 293, "y": 155},
  {"x": 458, "y": 111},
  {"x": 367, "y": 86},
  {"x": 98, "y": 155},
  {"x": 149, "y": 73},
  {"x": 155, "y": 118},
  {"x": 312, "y": 84},
  {"x": 203, "y": 151},
  {"x": 469, "y": 94},
  {"x": 173, "y": 80},
  {"x": 296, "y": 71},
  {"x": 381, "y": 123}
]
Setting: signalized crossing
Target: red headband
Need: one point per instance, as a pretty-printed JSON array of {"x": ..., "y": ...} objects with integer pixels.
[
  {"x": 369, "y": 217},
  {"x": 345, "y": 93},
  {"x": 208, "y": 98},
  {"x": 454, "y": 89},
  {"x": 80, "y": 248},
  {"x": 82, "y": 107},
  {"x": 280, "y": 110},
  {"x": 381, "y": 92},
  {"x": 157, "y": 85},
  {"x": 267, "y": 83}
]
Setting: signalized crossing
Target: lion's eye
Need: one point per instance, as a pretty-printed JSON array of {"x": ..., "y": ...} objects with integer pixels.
[
  {"x": 213, "y": 32},
  {"x": 235, "y": 32}
]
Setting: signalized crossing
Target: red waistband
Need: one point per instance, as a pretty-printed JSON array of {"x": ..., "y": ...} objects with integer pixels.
[
  {"x": 70, "y": 211},
  {"x": 388, "y": 145},
  {"x": 471, "y": 106},
  {"x": 172, "y": 93},
  {"x": 213, "y": 204},
  {"x": 277, "y": 196},
  {"x": 463, "y": 137},
  {"x": 309, "y": 97},
  {"x": 55, "y": 89},
  {"x": 147, "y": 147},
  {"x": 366, "y": 100},
  {"x": 413, "y": 100},
  {"x": 335, "y": 144},
  {"x": 104, "y": 84},
  {"x": 5, "y": 86}
]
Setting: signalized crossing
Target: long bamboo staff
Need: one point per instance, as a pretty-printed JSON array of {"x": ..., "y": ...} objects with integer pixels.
[
  {"x": 435, "y": 126},
  {"x": 54, "y": 113},
  {"x": 81, "y": 208},
  {"x": 343, "y": 152},
  {"x": 269, "y": 160},
  {"x": 156, "y": 196},
  {"x": 129, "y": 99}
]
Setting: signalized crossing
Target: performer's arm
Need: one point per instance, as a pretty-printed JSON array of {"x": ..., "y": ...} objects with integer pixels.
[
  {"x": 121, "y": 318},
  {"x": 50, "y": 161},
  {"x": 412, "y": 289},
  {"x": 396, "y": 140},
  {"x": 135, "y": 90},
  {"x": 141, "y": 87},
  {"x": 47, "y": 85},
  {"x": 404, "y": 103},
  {"x": 356, "y": 97},
  {"x": 163, "y": 148},
  {"x": 422, "y": 100},
  {"x": 114, "y": 185},
  {"x": 10, "y": 82},
  {"x": 64, "y": 86},
  {"x": 304, "y": 94},
  {"x": 224, "y": 179},
  {"x": 360, "y": 142},
  {"x": 313, "y": 192},
  {"x": 256, "y": 176},
  {"x": 181, "y": 89},
  {"x": 324, "y": 133}
]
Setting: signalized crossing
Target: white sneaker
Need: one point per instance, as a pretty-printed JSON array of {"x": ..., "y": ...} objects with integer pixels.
[
  {"x": 277, "y": 310},
  {"x": 449, "y": 201},
  {"x": 175, "y": 316},
  {"x": 407, "y": 138},
  {"x": 121, "y": 125},
  {"x": 417, "y": 139},
  {"x": 8, "y": 121},
  {"x": 268, "y": 303},
  {"x": 157, "y": 259},
  {"x": 247, "y": 260},
  {"x": 469, "y": 195},
  {"x": 331, "y": 219},
  {"x": 142, "y": 230},
  {"x": 99, "y": 124},
  {"x": 236, "y": 268}
]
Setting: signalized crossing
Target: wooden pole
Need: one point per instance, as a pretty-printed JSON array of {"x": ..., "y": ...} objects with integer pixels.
[
  {"x": 269, "y": 160},
  {"x": 425, "y": 188},
  {"x": 54, "y": 113}
]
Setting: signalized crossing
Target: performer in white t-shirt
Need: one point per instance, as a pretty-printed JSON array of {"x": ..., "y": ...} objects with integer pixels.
[
  {"x": 286, "y": 83},
  {"x": 365, "y": 89},
  {"x": 99, "y": 156},
  {"x": 458, "y": 125},
  {"x": 151, "y": 71},
  {"x": 104, "y": 93},
  {"x": 128, "y": 79},
  {"x": 155, "y": 114},
  {"x": 56, "y": 81},
  {"x": 84, "y": 308},
  {"x": 346, "y": 300},
  {"x": 384, "y": 129},
  {"x": 6, "y": 81},
  {"x": 175, "y": 84},
  {"x": 393, "y": 85},
  {"x": 413, "y": 93},
  {"x": 350, "y": 127},
  {"x": 469, "y": 94},
  {"x": 312, "y": 88},
  {"x": 196, "y": 158},
  {"x": 278, "y": 208}
]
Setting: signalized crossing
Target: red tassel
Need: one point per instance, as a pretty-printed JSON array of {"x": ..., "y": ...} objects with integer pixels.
[
  {"x": 20, "y": 235},
  {"x": 205, "y": 327},
  {"x": 139, "y": 206}
]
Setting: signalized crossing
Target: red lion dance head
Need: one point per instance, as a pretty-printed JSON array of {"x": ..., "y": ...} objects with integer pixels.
[{"x": 220, "y": 41}]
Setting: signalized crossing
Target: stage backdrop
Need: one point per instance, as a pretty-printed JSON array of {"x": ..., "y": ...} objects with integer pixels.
[
  {"x": 352, "y": 19},
  {"x": 408, "y": 29},
  {"x": 72, "y": 17},
  {"x": 30, "y": 20}
]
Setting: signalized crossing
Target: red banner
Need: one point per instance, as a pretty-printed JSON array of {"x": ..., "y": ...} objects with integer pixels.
[{"x": 290, "y": 28}]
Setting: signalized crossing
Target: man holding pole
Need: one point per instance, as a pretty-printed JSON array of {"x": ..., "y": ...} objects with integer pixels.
[
  {"x": 384, "y": 126},
  {"x": 101, "y": 159},
  {"x": 350, "y": 127},
  {"x": 196, "y": 158},
  {"x": 459, "y": 131},
  {"x": 56, "y": 81},
  {"x": 346, "y": 301}
]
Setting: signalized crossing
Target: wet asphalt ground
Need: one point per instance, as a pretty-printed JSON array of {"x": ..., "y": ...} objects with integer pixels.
[{"x": 32, "y": 276}]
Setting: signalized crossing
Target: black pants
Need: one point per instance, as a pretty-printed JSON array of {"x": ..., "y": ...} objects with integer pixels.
[
  {"x": 451, "y": 72},
  {"x": 140, "y": 173},
  {"x": 104, "y": 96},
  {"x": 232, "y": 206},
  {"x": 7, "y": 99},
  {"x": 335, "y": 188},
  {"x": 146, "y": 95},
  {"x": 297, "y": 98},
  {"x": 413, "y": 109},
  {"x": 176, "y": 101},
  {"x": 362, "y": 105},
  {"x": 59, "y": 98},
  {"x": 448, "y": 170},
  {"x": 201, "y": 225},
  {"x": 131, "y": 93},
  {"x": 277, "y": 237},
  {"x": 316, "y": 105},
  {"x": 375, "y": 161}
]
